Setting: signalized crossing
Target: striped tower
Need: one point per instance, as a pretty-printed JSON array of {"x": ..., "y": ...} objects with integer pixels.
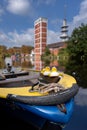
[
  {"x": 64, "y": 30},
  {"x": 40, "y": 40}
]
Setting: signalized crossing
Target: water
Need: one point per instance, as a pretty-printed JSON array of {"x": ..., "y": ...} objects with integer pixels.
[{"x": 78, "y": 120}]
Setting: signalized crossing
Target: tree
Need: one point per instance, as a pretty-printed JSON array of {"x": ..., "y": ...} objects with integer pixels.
[
  {"x": 63, "y": 56},
  {"x": 26, "y": 49},
  {"x": 46, "y": 57},
  {"x": 3, "y": 52},
  {"x": 77, "y": 50}
]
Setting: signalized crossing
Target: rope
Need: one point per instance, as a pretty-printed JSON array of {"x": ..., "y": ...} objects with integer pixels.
[{"x": 46, "y": 88}]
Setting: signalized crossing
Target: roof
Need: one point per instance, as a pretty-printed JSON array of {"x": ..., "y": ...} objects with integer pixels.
[{"x": 56, "y": 45}]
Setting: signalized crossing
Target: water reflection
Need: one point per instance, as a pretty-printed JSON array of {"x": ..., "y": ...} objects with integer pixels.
[
  {"x": 81, "y": 98},
  {"x": 79, "y": 117},
  {"x": 19, "y": 61}
]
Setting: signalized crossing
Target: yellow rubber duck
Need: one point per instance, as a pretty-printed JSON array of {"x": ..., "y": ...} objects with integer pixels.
[
  {"x": 54, "y": 72},
  {"x": 46, "y": 71},
  {"x": 42, "y": 71}
]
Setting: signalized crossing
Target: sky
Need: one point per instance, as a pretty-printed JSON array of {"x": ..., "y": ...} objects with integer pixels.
[{"x": 17, "y": 19}]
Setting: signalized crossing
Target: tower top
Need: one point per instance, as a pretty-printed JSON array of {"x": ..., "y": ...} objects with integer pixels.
[
  {"x": 64, "y": 30},
  {"x": 64, "y": 24},
  {"x": 65, "y": 7},
  {"x": 41, "y": 19},
  {"x": 64, "y": 27}
]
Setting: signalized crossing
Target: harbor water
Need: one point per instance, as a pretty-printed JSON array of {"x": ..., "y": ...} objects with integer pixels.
[{"x": 79, "y": 118}]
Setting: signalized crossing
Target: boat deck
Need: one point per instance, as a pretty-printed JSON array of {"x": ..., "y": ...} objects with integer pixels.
[
  {"x": 14, "y": 75},
  {"x": 19, "y": 81}
]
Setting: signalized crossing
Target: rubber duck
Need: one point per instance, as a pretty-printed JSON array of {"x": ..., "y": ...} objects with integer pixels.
[
  {"x": 46, "y": 71},
  {"x": 54, "y": 72},
  {"x": 42, "y": 71}
]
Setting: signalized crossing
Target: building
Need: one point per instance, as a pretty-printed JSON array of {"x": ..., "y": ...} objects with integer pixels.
[
  {"x": 54, "y": 49},
  {"x": 40, "y": 41},
  {"x": 64, "y": 31}
]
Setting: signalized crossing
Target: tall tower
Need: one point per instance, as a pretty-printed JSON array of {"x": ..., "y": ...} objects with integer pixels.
[
  {"x": 40, "y": 40},
  {"x": 64, "y": 30}
]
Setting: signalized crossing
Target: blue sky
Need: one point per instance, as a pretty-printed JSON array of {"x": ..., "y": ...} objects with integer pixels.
[{"x": 17, "y": 19}]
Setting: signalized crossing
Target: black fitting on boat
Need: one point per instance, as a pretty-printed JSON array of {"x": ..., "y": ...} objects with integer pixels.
[
  {"x": 62, "y": 108},
  {"x": 33, "y": 86}
]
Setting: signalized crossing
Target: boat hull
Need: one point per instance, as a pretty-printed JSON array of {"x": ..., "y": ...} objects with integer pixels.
[
  {"x": 51, "y": 113},
  {"x": 39, "y": 115}
]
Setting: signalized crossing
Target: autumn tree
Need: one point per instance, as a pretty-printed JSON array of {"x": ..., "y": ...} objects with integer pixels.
[
  {"x": 26, "y": 49},
  {"x": 3, "y": 51}
]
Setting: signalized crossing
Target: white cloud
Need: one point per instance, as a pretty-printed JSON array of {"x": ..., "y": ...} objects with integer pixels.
[
  {"x": 3, "y": 37},
  {"x": 25, "y": 38},
  {"x": 15, "y": 39},
  {"x": 53, "y": 37},
  {"x": 19, "y": 7},
  {"x": 81, "y": 17}
]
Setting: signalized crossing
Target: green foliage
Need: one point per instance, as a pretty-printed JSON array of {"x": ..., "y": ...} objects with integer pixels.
[
  {"x": 77, "y": 50},
  {"x": 47, "y": 51},
  {"x": 46, "y": 57},
  {"x": 63, "y": 57}
]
